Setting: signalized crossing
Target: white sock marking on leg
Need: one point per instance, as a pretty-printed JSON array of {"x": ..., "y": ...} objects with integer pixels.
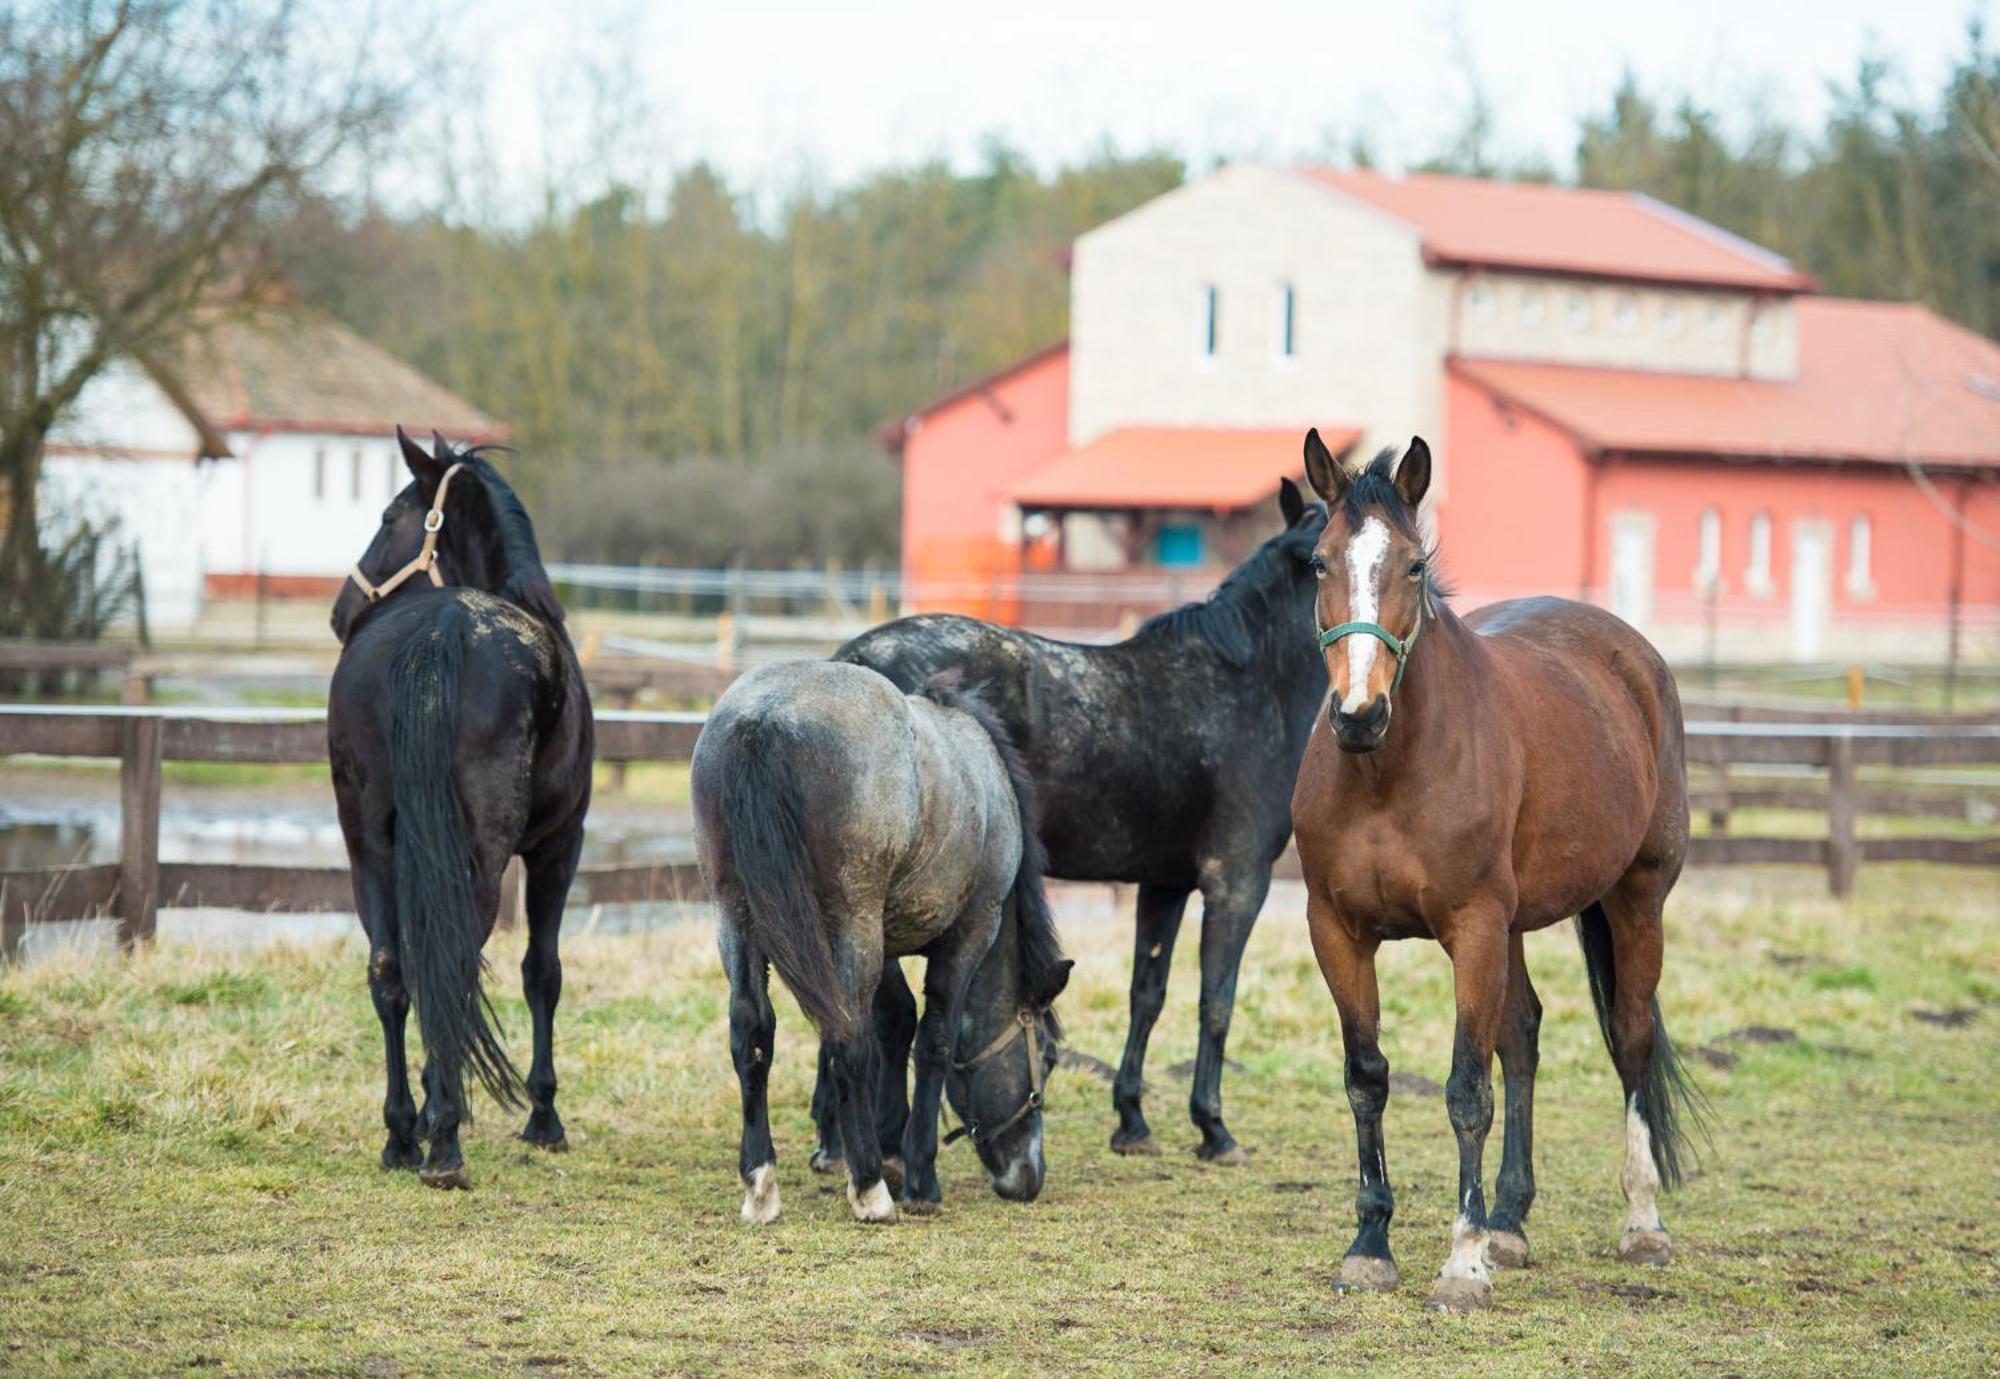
[
  {"x": 873, "y": 1205},
  {"x": 760, "y": 1202},
  {"x": 1640, "y": 1179}
]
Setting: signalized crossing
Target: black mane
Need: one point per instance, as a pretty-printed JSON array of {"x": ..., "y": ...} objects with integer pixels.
[
  {"x": 526, "y": 582},
  {"x": 1242, "y": 610}
]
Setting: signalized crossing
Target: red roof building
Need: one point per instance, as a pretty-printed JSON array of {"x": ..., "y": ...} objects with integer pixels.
[{"x": 1626, "y": 404}]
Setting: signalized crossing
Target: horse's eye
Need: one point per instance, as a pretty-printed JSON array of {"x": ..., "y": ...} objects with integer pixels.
[
  {"x": 1318, "y": 568},
  {"x": 1416, "y": 569}
]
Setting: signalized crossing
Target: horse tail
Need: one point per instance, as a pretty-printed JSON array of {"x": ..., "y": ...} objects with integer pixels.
[
  {"x": 762, "y": 802},
  {"x": 440, "y": 930},
  {"x": 1667, "y": 1097},
  {"x": 1042, "y": 965}
]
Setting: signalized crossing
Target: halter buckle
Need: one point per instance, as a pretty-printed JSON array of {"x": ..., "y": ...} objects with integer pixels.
[{"x": 434, "y": 520}]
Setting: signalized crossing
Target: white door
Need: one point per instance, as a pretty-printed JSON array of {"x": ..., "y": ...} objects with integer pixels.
[
  {"x": 1632, "y": 567},
  {"x": 1812, "y": 588}
]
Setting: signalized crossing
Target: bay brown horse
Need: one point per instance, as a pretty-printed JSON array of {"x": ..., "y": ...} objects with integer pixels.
[{"x": 1472, "y": 780}]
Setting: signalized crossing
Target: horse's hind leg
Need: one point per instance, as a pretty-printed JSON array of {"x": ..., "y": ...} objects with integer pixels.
[
  {"x": 550, "y": 871},
  {"x": 753, "y": 1026},
  {"x": 1520, "y": 1041},
  {"x": 895, "y": 1019},
  {"x": 373, "y": 895},
  {"x": 830, "y": 1153},
  {"x": 1159, "y": 922}
]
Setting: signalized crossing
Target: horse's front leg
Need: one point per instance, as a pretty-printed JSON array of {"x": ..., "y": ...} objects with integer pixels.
[
  {"x": 1477, "y": 940},
  {"x": 947, "y": 975},
  {"x": 1231, "y": 896},
  {"x": 550, "y": 870},
  {"x": 1348, "y": 964},
  {"x": 1160, "y": 909},
  {"x": 1520, "y": 1051},
  {"x": 753, "y": 1025}
]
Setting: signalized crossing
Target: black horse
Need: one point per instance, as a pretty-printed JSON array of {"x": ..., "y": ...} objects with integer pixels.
[
  {"x": 1162, "y": 760},
  {"x": 460, "y": 734}
]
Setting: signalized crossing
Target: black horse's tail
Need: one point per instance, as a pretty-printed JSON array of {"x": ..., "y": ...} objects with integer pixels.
[
  {"x": 1668, "y": 1098},
  {"x": 439, "y": 928},
  {"x": 762, "y": 801},
  {"x": 1042, "y": 966}
]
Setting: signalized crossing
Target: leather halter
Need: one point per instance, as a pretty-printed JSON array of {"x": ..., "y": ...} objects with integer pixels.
[
  {"x": 424, "y": 561},
  {"x": 1027, "y": 1025}
]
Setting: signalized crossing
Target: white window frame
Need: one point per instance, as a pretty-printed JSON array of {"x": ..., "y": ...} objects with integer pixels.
[
  {"x": 1708, "y": 551},
  {"x": 1861, "y": 556},
  {"x": 1482, "y": 303},
  {"x": 1757, "y": 566}
]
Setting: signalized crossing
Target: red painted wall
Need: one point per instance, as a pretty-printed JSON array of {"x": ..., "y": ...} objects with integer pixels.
[
  {"x": 957, "y": 461},
  {"x": 1515, "y": 519}
]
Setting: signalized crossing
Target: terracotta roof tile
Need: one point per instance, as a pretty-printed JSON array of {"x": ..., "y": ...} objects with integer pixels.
[
  {"x": 1540, "y": 228},
  {"x": 295, "y": 369},
  {"x": 1878, "y": 381},
  {"x": 1213, "y": 469}
]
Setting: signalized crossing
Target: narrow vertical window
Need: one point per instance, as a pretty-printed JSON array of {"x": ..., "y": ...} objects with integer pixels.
[
  {"x": 354, "y": 478},
  {"x": 1708, "y": 557},
  {"x": 1579, "y": 310},
  {"x": 1758, "y": 573},
  {"x": 1287, "y": 322},
  {"x": 390, "y": 476},
  {"x": 1206, "y": 331},
  {"x": 1531, "y": 307},
  {"x": 1860, "y": 557},
  {"x": 319, "y": 474}
]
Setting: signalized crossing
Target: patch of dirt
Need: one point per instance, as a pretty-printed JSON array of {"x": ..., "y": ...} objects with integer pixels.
[
  {"x": 1185, "y": 1068},
  {"x": 1413, "y": 1084},
  {"x": 1721, "y": 1059},
  {"x": 1789, "y": 959},
  {"x": 950, "y": 1338},
  {"x": 1762, "y": 1034},
  {"x": 1295, "y": 1187},
  {"x": 1956, "y": 1018},
  {"x": 1085, "y": 1063},
  {"x": 1637, "y": 1294}
]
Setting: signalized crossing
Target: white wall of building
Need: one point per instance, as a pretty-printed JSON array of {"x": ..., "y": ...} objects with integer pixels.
[
  {"x": 1368, "y": 328},
  {"x": 298, "y": 504},
  {"x": 1610, "y": 325},
  {"x": 153, "y": 504}
]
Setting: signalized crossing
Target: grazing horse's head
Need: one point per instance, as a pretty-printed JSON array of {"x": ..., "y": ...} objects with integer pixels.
[
  {"x": 1375, "y": 583},
  {"x": 456, "y": 523},
  {"x": 1007, "y": 1045}
]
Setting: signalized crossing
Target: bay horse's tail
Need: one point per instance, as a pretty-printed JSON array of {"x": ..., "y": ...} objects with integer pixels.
[
  {"x": 1042, "y": 965},
  {"x": 440, "y": 930},
  {"x": 763, "y": 803},
  {"x": 1668, "y": 1098}
]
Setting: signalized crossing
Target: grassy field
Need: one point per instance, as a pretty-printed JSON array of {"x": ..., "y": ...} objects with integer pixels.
[{"x": 188, "y": 1180}]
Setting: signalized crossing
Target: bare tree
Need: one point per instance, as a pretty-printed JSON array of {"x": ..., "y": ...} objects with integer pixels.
[{"x": 144, "y": 144}]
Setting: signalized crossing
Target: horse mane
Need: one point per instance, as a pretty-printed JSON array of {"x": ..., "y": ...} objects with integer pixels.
[
  {"x": 526, "y": 582},
  {"x": 1374, "y": 490},
  {"x": 1231, "y": 619},
  {"x": 1035, "y": 937}
]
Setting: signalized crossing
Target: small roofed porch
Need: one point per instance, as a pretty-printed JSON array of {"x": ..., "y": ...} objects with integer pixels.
[{"x": 1146, "y": 518}]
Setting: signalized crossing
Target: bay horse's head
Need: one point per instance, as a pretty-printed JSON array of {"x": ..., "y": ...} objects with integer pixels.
[
  {"x": 1375, "y": 583},
  {"x": 455, "y": 523}
]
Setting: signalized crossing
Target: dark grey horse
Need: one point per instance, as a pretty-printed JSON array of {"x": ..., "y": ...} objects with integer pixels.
[{"x": 842, "y": 825}]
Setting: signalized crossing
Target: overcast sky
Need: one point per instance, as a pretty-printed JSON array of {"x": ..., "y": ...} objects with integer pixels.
[{"x": 770, "y": 90}]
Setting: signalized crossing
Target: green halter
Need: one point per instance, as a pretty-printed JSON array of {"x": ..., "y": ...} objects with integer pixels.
[{"x": 1398, "y": 648}]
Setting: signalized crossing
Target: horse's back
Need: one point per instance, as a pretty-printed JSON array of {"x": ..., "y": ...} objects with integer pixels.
[{"x": 1554, "y": 639}]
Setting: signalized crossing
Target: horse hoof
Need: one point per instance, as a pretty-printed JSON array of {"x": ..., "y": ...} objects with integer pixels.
[
  {"x": 1235, "y": 1156},
  {"x": 446, "y": 1178},
  {"x": 874, "y": 1207},
  {"x": 1506, "y": 1250},
  {"x": 1460, "y": 1295},
  {"x": 1645, "y": 1247},
  {"x": 892, "y": 1173},
  {"x": 398, "y": 1157},
  {"x": 824, "y": 1162},
  {"x": 760, "y": 1202},
  {"x": 918, "y": 1207},
  {"x": 1366, "y": 1274},
  {"x": 1143, "y": 1147},
  {"x": 558, "y": 1145}
]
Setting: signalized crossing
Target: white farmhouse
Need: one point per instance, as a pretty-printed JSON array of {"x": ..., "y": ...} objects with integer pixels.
[{"x": 262, "y": 451}]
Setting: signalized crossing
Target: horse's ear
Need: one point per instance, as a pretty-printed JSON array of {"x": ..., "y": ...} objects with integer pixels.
[
  {"x": 1413, "y": 475},
  {"x": 441, "y": 448},
  {"x": 1291, "y": 503},
  {"x": 423, "y": 468},
  {"x": 1323, "y": 471},
  {"x": 1058, "y": 979}
]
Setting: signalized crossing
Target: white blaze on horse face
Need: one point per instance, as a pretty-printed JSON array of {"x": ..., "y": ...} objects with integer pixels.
[
  {"x": 1640, "y": 1179},
  {"x": 1364, "y": 604},
  {"x": 760, "y": 1203}
]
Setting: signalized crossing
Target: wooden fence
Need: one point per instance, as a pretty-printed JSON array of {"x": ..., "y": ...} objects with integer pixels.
[{"x": 1824, "y": 756}]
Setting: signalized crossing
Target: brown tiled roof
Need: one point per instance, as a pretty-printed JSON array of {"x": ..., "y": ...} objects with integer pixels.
[
  {"x": 1218, "y": 469},
  {"x": 291, "y": 368},
  {"x": 1881, "y": 382},
  {"x": 1535, "y": 228}
]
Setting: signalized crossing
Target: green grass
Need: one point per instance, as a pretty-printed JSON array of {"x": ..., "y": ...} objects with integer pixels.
[{"x": 188, "y": 1180}]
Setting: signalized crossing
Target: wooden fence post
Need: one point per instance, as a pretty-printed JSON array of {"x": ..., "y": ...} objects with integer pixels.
[
  {"x": 139, "y": 830},
  {"x": 1843, "y": 854}
]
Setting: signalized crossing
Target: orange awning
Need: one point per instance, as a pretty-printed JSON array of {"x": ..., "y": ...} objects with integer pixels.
[{"x": 1189, "y": 468}]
